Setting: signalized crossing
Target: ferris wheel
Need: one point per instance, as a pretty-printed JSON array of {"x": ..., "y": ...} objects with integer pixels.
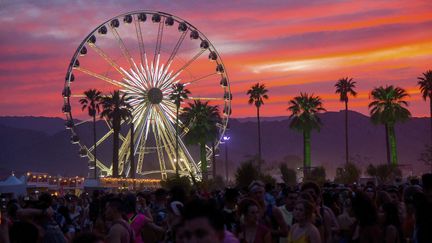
[{"x": 142, "y": 54}]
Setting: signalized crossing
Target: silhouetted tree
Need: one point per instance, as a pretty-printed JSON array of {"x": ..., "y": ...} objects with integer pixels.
[
  {"x": 246, "y": 173},
  {"x": 388, "y": 108},
  {"x": 348, "y": 174},
  {"x": 201, "y": 119},
  {"x": 304, "y": 109},
  {"x": 178, "y": 95},
  {"x": 115, "y": 110},
  {"x": 425, "y": 84},
  {"x": 257, "y": 94},
  {"x": 345, "y": 87},
  {"x": 91, "y": 102}
]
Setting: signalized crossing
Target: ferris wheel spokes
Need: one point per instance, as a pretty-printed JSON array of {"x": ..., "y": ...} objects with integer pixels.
[
  {"x": 101, "y": 166},
  {"x": 201, "y": 78},
  {"x": 177, "y": 47},
  {"x": 190, "y": 61},
  {"x": 139, "y": 37},
  {"x": 106, "y": 57},
  {"x": 183, "y": 151},
  {"x": 123, "y": 47},
  {"x": 103, "y": 78},
  {"x": 159, "y": 37},
  {"x": 159, "y": 148}
]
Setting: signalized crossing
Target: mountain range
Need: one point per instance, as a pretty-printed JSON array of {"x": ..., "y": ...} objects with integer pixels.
[{"x": 42, "y": 144}]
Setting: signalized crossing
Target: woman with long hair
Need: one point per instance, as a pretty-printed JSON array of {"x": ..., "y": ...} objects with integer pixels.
[
  {"x": 367, "y": 228},
  {"x": 251, "y": 230},
  {"x": 391, "y": 223},
  {"x": 304, "y": 231}
]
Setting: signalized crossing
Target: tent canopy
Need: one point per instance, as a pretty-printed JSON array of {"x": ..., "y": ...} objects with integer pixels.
[{"x": 11, "y": 181}]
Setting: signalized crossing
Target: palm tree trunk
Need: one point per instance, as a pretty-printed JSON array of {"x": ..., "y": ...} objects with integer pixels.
[
  {"x": 430, "y": 116},
  {"x": 346, "y": 133},
  {"x": 94, "y": 146},
  {"x": 177, "y": 142},
  {"x": 387, "y": 144},
  {"x": 116, "y": 131},
  {"x": 393, "y": 148},
  {"x": 132, "y": 152},
  {"x": 259, "y": 140},
  {"x": 213, "y": 160},
  {"x": 306, "y": 152},
  {"x": 203, "y": 161}
]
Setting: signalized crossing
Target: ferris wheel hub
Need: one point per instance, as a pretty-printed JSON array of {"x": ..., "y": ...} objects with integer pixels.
[{"x": 154, "y": 96}]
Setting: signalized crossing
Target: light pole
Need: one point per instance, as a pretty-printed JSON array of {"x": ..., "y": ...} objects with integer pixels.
[{"x": 226, "y": 139}]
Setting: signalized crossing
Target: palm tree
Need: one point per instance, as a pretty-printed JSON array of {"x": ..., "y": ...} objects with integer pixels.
[
  {"x": 201, "y": 119},
  {"x": 115, "y": 110},
  {"x": 304, "y": 109},
  {"x": 178, "y": 94},
  {"x": 132, "y": 147},
  {"x": 345, "y": 87},
  {"x": 257, "y": 93},
  {"x": 388, "y": 107},
  {"x": 91, "y": 102},
  {"x": 425, "y": 84}
]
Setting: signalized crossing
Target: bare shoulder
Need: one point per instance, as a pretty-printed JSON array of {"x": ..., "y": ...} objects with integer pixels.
[{"x": 314, "y": 234}]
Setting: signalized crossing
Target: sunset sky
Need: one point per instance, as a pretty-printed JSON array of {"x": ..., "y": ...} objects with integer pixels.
[{"x": 291, "y": 46}]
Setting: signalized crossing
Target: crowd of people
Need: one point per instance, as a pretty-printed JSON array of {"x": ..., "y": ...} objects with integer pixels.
[{"x": 260, "y": 213}]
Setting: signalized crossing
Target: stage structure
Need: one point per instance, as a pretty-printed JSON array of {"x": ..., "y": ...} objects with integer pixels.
[{"x": 142, "y": 54}]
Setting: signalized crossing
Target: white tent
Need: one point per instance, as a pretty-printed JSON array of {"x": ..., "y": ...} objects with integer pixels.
[{"x": 13, "y": 185}]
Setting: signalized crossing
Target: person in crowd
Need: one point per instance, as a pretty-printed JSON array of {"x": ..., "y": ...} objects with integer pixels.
[
  {"x": 87, "y": 237},
  {"x": 423, "y": 209},
  {"x": 229, "y": 210},
  {"x": 159, "y": 207},
  {"x": 382, "y": 197},
  {"x": 345, "y": 219},
  {"x": 119, "y": 230},
  {"x": 367, "y": 228},
  {"x": 370, "y": 191},
  {"x": 390, "y": 223},
  {"x": 269, "y": 197},
  {"x": 304, "y": 231},
  {"x": 270, "y": 215},
  {"x": 75, "y": 211},
  {"x": 203, "y": 222},
  {"x": 251, "y": 230},
  {"x": 136, "y": 220},
  {"x": 408, "y": 223},
  {"x": 23, "y": 232},
  {"x": 326, "y": 220},
  {"x": 287, "y": 209},
  {"x": 65, "y": 222},
  {"x": 85, "y": 222},
  {"x": 142, "y": 205}
]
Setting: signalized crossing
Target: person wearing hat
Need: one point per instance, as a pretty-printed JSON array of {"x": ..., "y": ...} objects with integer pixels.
[{"x": 271, "y": 216}]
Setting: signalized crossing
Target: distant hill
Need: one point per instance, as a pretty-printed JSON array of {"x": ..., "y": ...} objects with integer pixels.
[
  {"x": 46, "y": 125},
  {"x": 43, "y": 144}
]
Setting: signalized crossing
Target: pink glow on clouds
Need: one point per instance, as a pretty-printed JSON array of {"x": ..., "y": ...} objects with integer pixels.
[{"x": 291, "y": 46}]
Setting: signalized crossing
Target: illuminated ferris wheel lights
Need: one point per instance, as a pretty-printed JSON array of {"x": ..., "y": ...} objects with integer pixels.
[{"x": 147, "y": 85}]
